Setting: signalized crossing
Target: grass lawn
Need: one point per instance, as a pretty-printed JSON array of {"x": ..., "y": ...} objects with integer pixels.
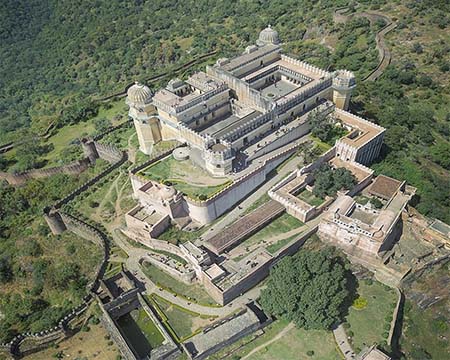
[
  {"x": 183, "y": 323},
  {"x": 273, "y": 248},
  {"x": 323, "y": 146},
  {"x": 280, "y": 225},
  {"x": 261, "y": 201},
  {"x": 187, "y": 178},
  {"x": 292, "y": 345},
  {"x": 149, "y": 329},
  {"x": 371, "y": 323},
  {"x": 140, "y": 331},
  {"x": 362, "y": 200},
  {"x": 194, "y": 292},
  {"x": 175, "y": 235},
  {"x": 308, "y": 197}
]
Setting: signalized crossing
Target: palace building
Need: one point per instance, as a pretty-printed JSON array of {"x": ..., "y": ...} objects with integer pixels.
[{"x": 227, "y": 115}]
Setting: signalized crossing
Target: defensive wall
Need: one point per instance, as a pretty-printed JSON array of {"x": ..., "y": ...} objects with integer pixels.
[
  {"x": 74, "y": 168},
  {"x": 58, "y": 222},
  {"x": 92, "y": 150},
  {"x": 208, "y": 210}
]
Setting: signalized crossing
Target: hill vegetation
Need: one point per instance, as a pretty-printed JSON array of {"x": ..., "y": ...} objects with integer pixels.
[{"x": 58, "y": 57}]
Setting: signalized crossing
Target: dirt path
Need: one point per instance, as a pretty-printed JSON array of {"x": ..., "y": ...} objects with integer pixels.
[
  {"x": 267, "y": 343},
  {"x": 384, "y": 54},
  {"x": 131, "y": 150},
  {"x": 272, "y": 240}
]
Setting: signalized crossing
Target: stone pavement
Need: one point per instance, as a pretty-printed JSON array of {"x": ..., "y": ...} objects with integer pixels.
[{"x": 342, "y": 341}]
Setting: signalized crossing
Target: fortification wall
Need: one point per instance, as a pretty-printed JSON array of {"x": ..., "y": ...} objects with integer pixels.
[
  {"x": 75, "y": 168},
  {"x": 206, "y": 211}
]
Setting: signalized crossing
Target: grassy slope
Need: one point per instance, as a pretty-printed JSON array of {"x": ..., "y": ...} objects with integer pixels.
[{"x": 370, "y": 323}]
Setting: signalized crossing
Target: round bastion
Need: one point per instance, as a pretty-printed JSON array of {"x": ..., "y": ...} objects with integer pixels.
[{"x": 181, "y": 154}]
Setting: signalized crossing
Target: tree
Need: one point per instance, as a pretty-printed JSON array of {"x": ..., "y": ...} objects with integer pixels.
[
  {"x": 324, "y": 127},
  {"x": 328, "y": 181},
  {"x": 376, "y": 203},
  {"x": 309, "y": 288},
  {"x": 6, "y": 273}
]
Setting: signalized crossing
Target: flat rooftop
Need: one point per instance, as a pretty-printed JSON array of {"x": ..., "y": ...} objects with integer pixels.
[
  {"x": 365, "y": 129},
  {"x": 223, "y": 331},
  {"x": 248, "y": 57},
  {"x": 222, "y": 128},
  {"x": 244, "y": 226}
]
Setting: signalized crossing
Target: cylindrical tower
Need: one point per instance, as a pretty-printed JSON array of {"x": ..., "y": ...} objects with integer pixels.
[
  {"x": 343, "y": 84},
  {"x": 139, "y": 98},
  {"x": 89, "y": 150}
]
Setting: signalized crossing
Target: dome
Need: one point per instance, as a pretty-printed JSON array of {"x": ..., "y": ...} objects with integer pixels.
[
  {"x": 139, "y": 94},
  {"x": 268, "y": 36},
  {"x": 166, "y": 192}
]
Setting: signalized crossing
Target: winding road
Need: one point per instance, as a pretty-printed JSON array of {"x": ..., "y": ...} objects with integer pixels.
[{"x": 384, "y": 54}]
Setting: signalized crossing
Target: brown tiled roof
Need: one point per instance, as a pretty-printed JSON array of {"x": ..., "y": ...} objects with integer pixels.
[
  {"x": 384, "y": 187},
  {"x": 244, "y": 227}
]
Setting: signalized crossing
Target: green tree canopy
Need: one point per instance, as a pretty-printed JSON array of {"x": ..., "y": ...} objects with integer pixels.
[
  {"x": 328, "y": 180},
  {"x": 325, "y": 127},
  {"x": 309, "y": 288}
]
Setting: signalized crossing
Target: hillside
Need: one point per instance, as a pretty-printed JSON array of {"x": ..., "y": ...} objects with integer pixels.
[{"x": 58, "y": 57}]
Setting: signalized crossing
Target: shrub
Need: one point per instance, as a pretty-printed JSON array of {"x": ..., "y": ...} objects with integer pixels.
[
  {"x": 310, "y": 353},
  {"x": 360, "y": 303}
]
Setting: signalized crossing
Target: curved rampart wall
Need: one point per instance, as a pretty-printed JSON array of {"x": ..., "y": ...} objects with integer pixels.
[{"x": 206, "y": 211}]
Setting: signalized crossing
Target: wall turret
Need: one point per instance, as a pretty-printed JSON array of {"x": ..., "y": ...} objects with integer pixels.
[
  {"x": 343, "y": 84},
  {"x": 89, "y": 150},
  {"x": 54, "y": 221}
]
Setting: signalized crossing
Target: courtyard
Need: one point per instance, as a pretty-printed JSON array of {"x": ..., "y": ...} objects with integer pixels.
[
  {"x": 189, "y": 179},
  {"x": 140, "y": 332},
  {"x": 369, "y": 318},
  {"x": 308, "y": 197}
]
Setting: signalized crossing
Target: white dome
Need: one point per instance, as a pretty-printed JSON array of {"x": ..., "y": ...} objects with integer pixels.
[
  {"x": 139, "y": 94},
  {"x": 268, "y": 36}
]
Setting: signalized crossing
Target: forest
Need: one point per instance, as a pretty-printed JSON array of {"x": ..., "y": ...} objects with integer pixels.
[{"x": 59, "y": 57}]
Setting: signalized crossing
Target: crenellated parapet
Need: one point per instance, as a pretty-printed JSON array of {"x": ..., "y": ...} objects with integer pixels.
[{"x": 305, "y": 65}]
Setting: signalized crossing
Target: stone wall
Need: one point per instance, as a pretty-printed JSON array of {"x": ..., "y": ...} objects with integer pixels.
[
  {"x": 92, "y": 150},
  {"x": 74, "y": 168},
  {"x": 207, "y": 211}
]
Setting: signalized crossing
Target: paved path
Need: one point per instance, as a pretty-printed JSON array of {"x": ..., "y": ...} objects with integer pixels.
[
  {"x": 342, "y": 341},
  {"x": 275, "y": 338}
]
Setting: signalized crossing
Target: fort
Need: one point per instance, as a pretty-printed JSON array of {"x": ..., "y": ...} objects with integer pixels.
[
  {"x": 235, "y": 126},
  {"x": 236, "y": 123}
]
